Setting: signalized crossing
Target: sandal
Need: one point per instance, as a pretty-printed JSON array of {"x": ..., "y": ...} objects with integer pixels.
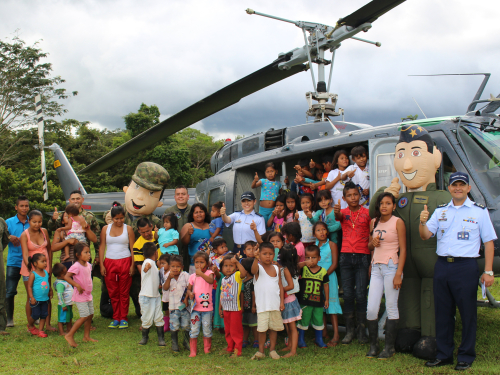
[
  {"x": 332, "y": 343},
  {"x": 286, "y": 341},
  {"x": 267, "y": 344},
  {"x": 274, "y": 355},
  {"x": 255, "y": 344},
  {"x": 258, "y": 355},
  {"x": 245, "y": 343},
  {"x": 34, "y": 331},
  {"x": 42, "y": 334}
]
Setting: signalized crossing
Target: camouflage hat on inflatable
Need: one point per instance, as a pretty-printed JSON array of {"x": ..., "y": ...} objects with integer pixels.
[{"x": 151, "y": 176}]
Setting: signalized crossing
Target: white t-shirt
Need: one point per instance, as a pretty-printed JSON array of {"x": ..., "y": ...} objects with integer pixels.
[
  {"x": 361, "y": 179},
  {"x": 338, "y": 189},
  {"x": 150, "y": 281}
]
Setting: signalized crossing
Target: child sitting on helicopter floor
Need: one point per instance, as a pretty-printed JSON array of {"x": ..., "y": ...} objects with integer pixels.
[
  {"x": 303, "y": 172},
  {"x": 269, "y": 192},
  {"x": 359, "y": 174}
]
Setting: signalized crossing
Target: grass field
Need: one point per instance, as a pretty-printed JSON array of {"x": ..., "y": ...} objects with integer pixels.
[{"x": 117, "y": 352}]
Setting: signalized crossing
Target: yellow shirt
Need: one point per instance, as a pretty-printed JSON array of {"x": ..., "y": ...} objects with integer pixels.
[{"x": 138, "y": 254}]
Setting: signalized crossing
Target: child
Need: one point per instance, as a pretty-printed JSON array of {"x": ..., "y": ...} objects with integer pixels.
[
  {"x": 75, "y": 227},
  {"x": 230, "y": 306},
  {"x": 269, "y": 191},
  {"x": 303, "y": 171},
  {"x": 145, "y": 229},
  {"x": 328, "y": 252},
  {"x": 176, "y": 283},
  {"x": 292, "y": 311},
  {"x": 291, "y": 205},
  {"x": 168, "y": 236},
  {"x": 277, "y": 218},
  {"x": 326, "y": 214},
  {"x": 216, "y": 225},
  {"x": 200, "y": 289},
  {"x": 149, "y": 297},
  {"x": 250, "y": 249},
  {"x": 359, "y": 174},
  {"x": 249, "y": 319},
  {"x": 336, "y": 179},
  {"x": 312, "y": 301},
  {"x": 354, "y": 260},
  {"x": 277, "y": 240},
  {"x": 221, "y": 250},
  {"x": 306, "y": 204},
  {"x": 163, "y": 264},
  {"x": 293, "y": 234},
  {"x": 326, "y": 160},
  {"x": 269, "y": 297},
  {"x": 64, "y": 295},
  {"x": 39, "y": 290},
  {"x": 387, "y": 236},
  {"x": 80, "y": 277}
]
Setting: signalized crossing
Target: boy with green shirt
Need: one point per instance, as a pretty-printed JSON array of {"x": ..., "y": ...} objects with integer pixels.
[{"x": 64, "y": 293}]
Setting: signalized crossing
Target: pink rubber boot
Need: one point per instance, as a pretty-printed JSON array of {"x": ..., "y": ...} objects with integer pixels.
[{"x": 166, "y": 327}]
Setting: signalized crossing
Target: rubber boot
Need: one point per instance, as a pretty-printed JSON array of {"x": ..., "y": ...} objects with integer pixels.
[
  {"x": 318, "y": 334},
  {"x": 161, "y": 337},
  {"x": 9, "y": 305},
  {"x": 349, "y": 328},
  {"x": 373, "y": 338},
  {"x": 207, "y": 344},
  {"x": 174, "y": 335},
  {"x": 166, "y": 327},
  {"x": 145, "y": 336},
  {"x": 186, "y": 340},
  {"x": 302, "y": 342},
  {"x": 391, "y": 329},
  {"x": 192, "y": 347},
  {"x": 362, "y": 337}
]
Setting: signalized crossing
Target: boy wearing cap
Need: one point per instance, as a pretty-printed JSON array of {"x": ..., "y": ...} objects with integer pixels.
[
  {"x": 459, "y": 226},
  {"x": 242, "y": 221}
]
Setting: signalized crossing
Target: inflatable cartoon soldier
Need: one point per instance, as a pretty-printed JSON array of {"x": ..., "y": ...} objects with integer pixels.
[
  {"x": 142, "y": 197},
  {"x": 416, "y": 161}
]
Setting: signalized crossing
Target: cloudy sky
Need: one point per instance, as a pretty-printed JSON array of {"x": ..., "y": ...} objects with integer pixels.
[{"x": 118, "y": 54}]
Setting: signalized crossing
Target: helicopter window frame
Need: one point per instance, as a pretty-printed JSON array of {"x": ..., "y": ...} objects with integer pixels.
[
  {"x": 250, "y": 146},
  {"x": 221, "y": 187}
]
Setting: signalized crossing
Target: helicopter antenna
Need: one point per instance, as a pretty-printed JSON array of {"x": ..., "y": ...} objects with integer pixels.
[
  {"x": 479, "y": 92},
  {"x": 419, "y": 106},
  {"x": 322, "y": 38}
]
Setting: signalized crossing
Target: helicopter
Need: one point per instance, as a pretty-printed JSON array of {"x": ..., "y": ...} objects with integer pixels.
[{"x": 469, "y": 142}]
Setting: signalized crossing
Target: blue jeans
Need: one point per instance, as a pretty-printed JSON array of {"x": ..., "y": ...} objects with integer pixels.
[
  {"x": 12, "y": 277},
  {"x": 199, "y": 318},
  {"x": 179, "y": 319},
  {"x": 354, "y": 276}
]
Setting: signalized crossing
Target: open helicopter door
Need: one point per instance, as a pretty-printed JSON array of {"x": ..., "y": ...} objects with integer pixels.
[
  {"x": 219, "y": 188},
  {"x": 382, "y": 172}
]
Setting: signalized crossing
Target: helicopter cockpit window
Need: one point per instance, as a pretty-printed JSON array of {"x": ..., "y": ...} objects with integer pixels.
[
  {"x": 385, "y": 169},
  {"x": 448, "y": 169},
  {"x": 217, "y": 194},
  {"x": 251, "y": 146},
  {"x": 483, "y": 150}
]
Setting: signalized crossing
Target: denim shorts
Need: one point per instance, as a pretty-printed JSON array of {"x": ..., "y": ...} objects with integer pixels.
[{"x": 40, "y": 310}]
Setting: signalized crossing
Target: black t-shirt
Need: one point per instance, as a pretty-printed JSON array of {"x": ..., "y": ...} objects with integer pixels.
[
  {"x": 311, "y": 287},
  {"x": 247, "y": 295}
]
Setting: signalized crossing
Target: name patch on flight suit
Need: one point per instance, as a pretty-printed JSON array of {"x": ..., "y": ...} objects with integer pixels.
[
  {"x": 463, "y": 235},
  {"x": 422, "y": 199}
]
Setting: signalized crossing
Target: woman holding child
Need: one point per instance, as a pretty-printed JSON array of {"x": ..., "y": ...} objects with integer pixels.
[{"x": 195, "y": 231}]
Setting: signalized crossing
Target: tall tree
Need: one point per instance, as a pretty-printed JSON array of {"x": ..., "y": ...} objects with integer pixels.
[{"x": 145, "y": 118}]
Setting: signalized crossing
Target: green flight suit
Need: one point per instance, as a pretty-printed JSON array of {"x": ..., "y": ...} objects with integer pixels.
[
  {"x": 416, "y": 299},
  {"x": 182, "y": 218},
  {"x": 4, "y": 241}
]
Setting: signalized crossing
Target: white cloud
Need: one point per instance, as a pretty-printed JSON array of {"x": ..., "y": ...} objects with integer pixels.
[{"x": 118, "y": 54}]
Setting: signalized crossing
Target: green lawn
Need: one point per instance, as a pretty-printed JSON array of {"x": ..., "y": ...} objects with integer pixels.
[{"x": 117, "y": 352}]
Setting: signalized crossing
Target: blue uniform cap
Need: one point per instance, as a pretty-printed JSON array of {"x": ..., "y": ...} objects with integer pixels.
[
  {"x": 247, "y": 195},
  {"x": 459, "y": 176}
]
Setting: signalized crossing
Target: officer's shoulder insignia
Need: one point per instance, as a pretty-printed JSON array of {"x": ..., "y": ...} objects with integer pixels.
[
  {"x": 479, "y": 205},
  {"x": 402, "y": 202},
  {"x": 442, "y": 205}
]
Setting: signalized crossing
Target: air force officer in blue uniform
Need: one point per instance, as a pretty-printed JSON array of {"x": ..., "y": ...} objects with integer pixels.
[{"x": 460, "y": 226}]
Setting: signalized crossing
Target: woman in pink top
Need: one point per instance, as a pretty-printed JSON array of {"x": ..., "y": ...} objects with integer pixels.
[
  {"x": 387, "y": 237},
  {"x": 34, "y": 240}
]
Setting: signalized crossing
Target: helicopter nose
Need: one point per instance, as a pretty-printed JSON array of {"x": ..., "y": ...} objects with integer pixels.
[{"x": 408, "y": 166}]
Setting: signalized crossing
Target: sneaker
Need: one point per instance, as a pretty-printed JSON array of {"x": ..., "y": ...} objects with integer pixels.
[
  {"x": 267, "y": 344},
  {"x": 255, "y": 344},
  {"x": 245, "y": 343},
  {"x": 41, "y": 334},
  {"x": 114, "y": 324},
  {"x": 123, "y": 324}
]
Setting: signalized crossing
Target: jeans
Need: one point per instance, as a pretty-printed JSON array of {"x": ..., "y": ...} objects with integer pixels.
[
  {"x": 179, "y": 319},
  {"x": 12, "y": 278},
  {"x": 382, "y": 279},
  {"x": 354, "y": 275},
  {"x": 199, "y": 318}
]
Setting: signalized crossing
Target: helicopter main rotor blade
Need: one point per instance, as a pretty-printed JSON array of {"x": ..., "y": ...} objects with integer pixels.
[
  {"x": 369, "y": 13},
  {"x": 219, "y": 100}
]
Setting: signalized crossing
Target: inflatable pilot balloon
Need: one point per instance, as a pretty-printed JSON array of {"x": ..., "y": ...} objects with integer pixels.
[
  {"x": 416, "y": 162},
  {"x": 142, "y": 197}
]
